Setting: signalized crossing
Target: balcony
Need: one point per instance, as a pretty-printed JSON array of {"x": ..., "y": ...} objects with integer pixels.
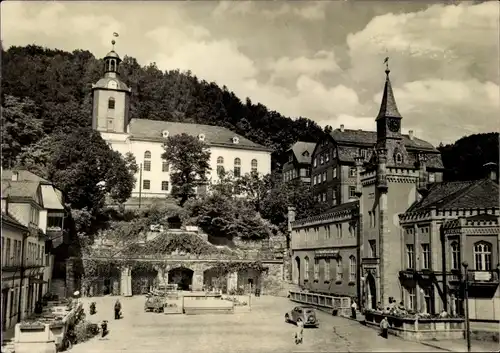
[
  {"x": 478, "y": 278},
  {"x": 454, "y": 277}
]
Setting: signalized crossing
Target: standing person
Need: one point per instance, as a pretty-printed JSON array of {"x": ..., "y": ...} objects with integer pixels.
[
  {"x": 299, "y": 334},
  {"x": 118, "y": 308},
  {"x": 354, "y": 306},
  {"x": 384, "y": 326}
]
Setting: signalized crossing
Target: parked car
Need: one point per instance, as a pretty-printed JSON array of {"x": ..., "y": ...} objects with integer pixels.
[{"x": 303, "y": 313}]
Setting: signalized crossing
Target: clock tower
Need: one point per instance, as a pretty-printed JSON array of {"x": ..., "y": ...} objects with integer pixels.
[{"x": 111, "y": 98}]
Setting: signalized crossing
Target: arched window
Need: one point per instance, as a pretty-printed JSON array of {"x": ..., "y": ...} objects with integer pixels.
[
  {"x": 455, "y": 256},
  {"x": 352, "y": 268},
  {"x": 220, "y": 166},
  {"x": 112, "y": 65},
  {"x": 111, "y": 103},
  {"x": 306, "y": 268},
  {"x": 254, "y": 166},
  {"x": 399, "y": 158},
  {"x": 339, "y": 269},
  {"x": 326, "y": 270},
  {"x": 237, "y": 167},
  {"x": 482, "y": 256},
  {"x": 316, "y": 269},
  {"x": 147, "y": 161}
]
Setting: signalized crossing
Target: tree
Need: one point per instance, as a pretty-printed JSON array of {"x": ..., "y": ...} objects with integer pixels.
[
  {"x": 20, "y": 127},
  {"x": 189, "y": 161}
]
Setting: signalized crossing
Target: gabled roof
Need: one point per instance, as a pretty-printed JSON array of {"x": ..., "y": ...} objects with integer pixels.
[
  {"x": 23, "y": 175},
  {"x": 214, "y": 135},
  {"x": 299, "y": 148},
  {"x": 8, "y": 219},
  {"x": 369, "y": 138},
  {"x": 388, "y": 107},
  {"x": 27, "y": 189},
  {"x": 453, "y": 195}
]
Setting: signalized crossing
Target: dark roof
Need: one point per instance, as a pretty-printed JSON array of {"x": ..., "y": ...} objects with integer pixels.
[
  {"x": 9, "y": 219},
  {"x": 112, "y": 54},
  {"x": 19, "y": 189},
  {"x": 22, "y": 175},
  {"x": 299, "y": 148},
  {"x": 388, "y": 107},
  {"x": 369, "y": 138},
  {"x": 103, "y": 83},
  {"x": 214, "y": 135},
  {"x": 474, "y": 194}
]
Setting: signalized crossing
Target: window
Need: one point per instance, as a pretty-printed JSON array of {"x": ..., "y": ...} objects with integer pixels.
[
  {"x": 352, "y": 192},
  {"x": 237, "y": 167},
  {"x": 328, "y": 232},
  {"x": 339, "y": 269},
  {"x": 324, "y": 197},
  {"x": 164, "y": 185},
  {"x": 54, "y": 222},
  {"x": 8, "y": 256},
  {"x": 324, "y": 176},
  {"x": 327, "y": 157},
  {"x": 147, "y": 162},
  {"x": 411, "y": 299},
  {"x": 334, "y": 153},
  {"x": 428, "y": 300},
  {"x": 373, "y": 247},
  {"x": 165, "y": 167},
  {"x": 315, "y": 179},
  {"x": 146, "y": 184},
  {"x": 306, "y": 268},
  {"x": 455, "y": 256},
  {"x": 352, "y": 172},
  {"x": 339, "y": 230},
  {"x": 3, "y": 247},
  {"x": 399, "y": 158},
  {"x": 254, "y": 166},
  {"x": 352, "y": 229},
  {"x": 352, "y": 268},
  {"x": 15, "y": 253},
  {"x": 221, "y": 171},
  {"x": 290, "y": 157},
  {"x": 111, "y": 103},
  {"x": 326, "y": 270},
  {"x": 321, "y": 159},
  {"x": 334, "y": 173},
  {"x": 432, "y": 177},
  {"x": 482, "y": 256},
  {"x": 18, "y": 254},
  {"x": 426, "y": 256},
  {"x": 410, "y": 256},
  {"x": 334, "y": 196},
  {"x": 315, "y": 162},
  {"x": 316, "y": 269}
]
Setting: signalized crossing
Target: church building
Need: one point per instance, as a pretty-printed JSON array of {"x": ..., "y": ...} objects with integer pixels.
[{"x": 144, "y": 138}]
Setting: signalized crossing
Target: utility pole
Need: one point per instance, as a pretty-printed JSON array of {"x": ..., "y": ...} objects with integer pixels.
[
  {"x": 140, "y": 184},
  {"x": 466, "y": 299}
]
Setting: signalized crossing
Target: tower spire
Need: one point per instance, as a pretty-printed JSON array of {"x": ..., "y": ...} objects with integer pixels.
[{"x": 388, "y": 107}]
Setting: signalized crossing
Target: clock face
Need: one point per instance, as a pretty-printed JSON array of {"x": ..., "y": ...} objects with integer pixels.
[{"x": 393, "y": 125}]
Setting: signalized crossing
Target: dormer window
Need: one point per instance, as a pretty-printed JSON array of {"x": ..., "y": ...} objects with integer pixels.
[
  {"x": 201, "y": 137},
  {"x": 399, "y": 158},
  {"x": 236, "y": 140},
  {"x": 112, "y": 84},
  {"x": 164, "y": 133},
  {"x": 306, "y": 154}
]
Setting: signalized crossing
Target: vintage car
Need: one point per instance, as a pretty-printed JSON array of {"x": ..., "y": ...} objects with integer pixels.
[{"x": 303, "y": 313}]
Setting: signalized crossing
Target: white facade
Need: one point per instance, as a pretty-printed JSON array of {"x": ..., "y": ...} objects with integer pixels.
[{"x": 157, "y": 178}]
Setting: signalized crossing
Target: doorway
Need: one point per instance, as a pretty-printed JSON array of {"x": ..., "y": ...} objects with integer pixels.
[
  {"x": 372, "y": 291},
  {"x": 181, "y": 276},
  {"x": 297, "y": 270}
]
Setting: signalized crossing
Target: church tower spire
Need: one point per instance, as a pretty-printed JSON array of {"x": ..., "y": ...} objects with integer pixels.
[{"x": 388, "y": 118}]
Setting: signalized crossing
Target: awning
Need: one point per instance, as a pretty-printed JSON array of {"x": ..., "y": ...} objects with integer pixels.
[{"x": 326, "y": 253}]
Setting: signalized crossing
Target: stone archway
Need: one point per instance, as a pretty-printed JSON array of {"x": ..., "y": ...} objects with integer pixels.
[
  {"x": 296, "y": 270},
  {"x": 143, "y": 279},
  {"x": 371, "y": 290},
  {"x": 182, "y": 276}
]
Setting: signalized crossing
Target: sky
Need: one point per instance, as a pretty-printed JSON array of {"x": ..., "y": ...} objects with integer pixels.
[{"x": 321, "y": 60}]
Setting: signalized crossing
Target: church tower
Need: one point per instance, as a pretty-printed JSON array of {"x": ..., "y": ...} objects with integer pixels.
[{"x": 111, "y": 98}]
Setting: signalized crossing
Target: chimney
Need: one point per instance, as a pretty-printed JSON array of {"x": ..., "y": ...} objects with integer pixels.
[
  {"x": 291, "y": 217},
  {"x": 491, "y": 171},
  {"x": 358, "y": 161},
  {"x": 422, "y": 175},
  {"x": 410, "y": 134},
  {"x": 15, "y": 176},
  {"x": 341, "y": 127}
]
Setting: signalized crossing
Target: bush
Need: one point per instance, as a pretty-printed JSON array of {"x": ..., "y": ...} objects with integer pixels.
[{"x": 84, "y": 331}]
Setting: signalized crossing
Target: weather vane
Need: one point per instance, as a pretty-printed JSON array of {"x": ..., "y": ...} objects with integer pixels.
[
  {"x": 386, "y": 62},
  {"x": 113, "y": 42}
]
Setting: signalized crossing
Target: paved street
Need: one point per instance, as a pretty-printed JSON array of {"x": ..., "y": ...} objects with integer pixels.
[{"x": 262, "y": 330}]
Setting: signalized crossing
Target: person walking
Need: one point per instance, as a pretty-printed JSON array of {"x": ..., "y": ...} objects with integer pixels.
[
  {"x": 118, "y": 309},
  {"x": 354, "y": 307},
  {"x": 384, "y": 326},
  {"x": 299, "y": 334}
]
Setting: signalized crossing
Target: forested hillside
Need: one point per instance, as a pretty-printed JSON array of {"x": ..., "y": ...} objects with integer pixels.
[
  {"x": 58, "y": 87},
  {"x": 59, "y": 83}
]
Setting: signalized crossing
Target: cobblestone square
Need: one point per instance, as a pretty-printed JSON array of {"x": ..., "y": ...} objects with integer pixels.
[{"x": 261, "y": 330}]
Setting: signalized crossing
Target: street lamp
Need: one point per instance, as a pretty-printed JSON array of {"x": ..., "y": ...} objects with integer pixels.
[{"x": 466, "y": 299}]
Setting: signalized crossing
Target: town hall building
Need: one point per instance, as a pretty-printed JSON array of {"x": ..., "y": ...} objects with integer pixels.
[{"x": 144, "y": 138}]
